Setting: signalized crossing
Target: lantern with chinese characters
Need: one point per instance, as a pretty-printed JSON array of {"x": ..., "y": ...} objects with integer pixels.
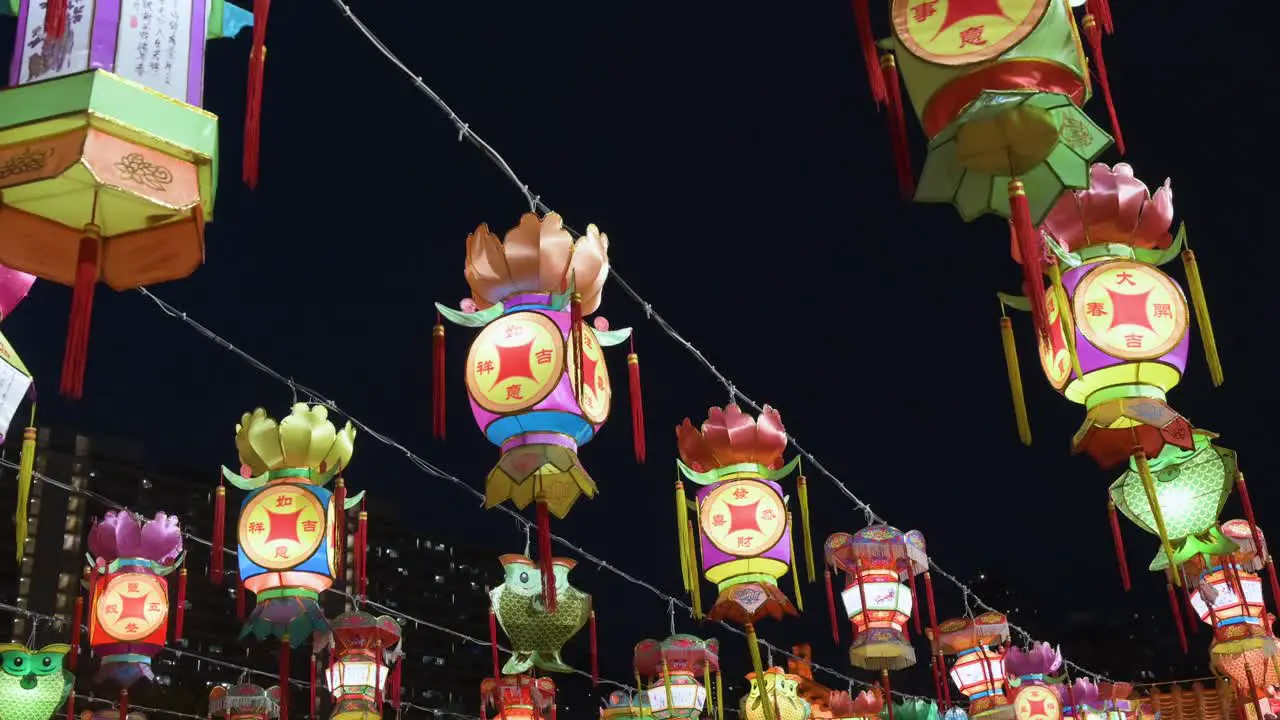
[
  {"x": 107, "y": 161},
  {"x": 244, "y": 702},
  {"x": 676, "y": 675},
  {"x": 129, "y": 601},
  {"x": 34, "y": 683},
  {"x": 1031, "y": 675},
  {"x": 978, "y": 671},
  {"x": 865, "y": 706},
  {"x": 744, "y": 530},
  {"x": 622, "y": 705},
  {"x": 364, "y": 667},
  {"x": 776, "y": 690},
  {"x": 518, "y": 697},
  {"x": 536, "y": 374},
  {"x": 537, "y": 632},
  {"x": 880, "y": 563}
]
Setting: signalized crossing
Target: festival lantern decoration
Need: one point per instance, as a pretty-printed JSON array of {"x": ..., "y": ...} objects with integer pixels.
[
  {"x": 34, "y": 683},
  {"x": 912, "y": 709},
  {"x": 622, "y": 705},
  {"x": 129, "y": 599},
  {"x": 244, "y": 702},
  {"x": 1115, "y": 700},
  {"x": 880, "y": 563},
  {"x": 955, "y": 713},
  {"x": 538, "y": 632},
  {"x": 364, "y": 666},
  {"x": 109, "y": 162},
  {"x": 745, "y": 532},
  {"x": 15, "y": 379},
  {"x": 867, "y": 705},
  {"x": 536, "y": 374},
  {"x": 1082, "y": 700},
  {"x": 1032, "y": 681},
  {"x": 676, "y": 676},
  {"x": 776, "y": 690},
  {"x": 518, "y": 697},
  {"x": 978, "y": 671}
]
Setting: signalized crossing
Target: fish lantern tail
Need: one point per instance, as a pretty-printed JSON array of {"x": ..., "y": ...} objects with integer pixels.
[
  {"x": 217, "y": 547},
  {"x": 637, "y": 403},
  {"x": 437, "y": 380},
  {"x": 897, "y": 124},
  {"x": 88, "y": 270},
  {"x": 867, "y": 42},
  {"x": 1093, "y": 33},
  {"x": 544, "y": 556},
  {"x": 1121, "y": 560},
  {"x": 1015, "y": 380},
  {"x": 26, "y": 470}
]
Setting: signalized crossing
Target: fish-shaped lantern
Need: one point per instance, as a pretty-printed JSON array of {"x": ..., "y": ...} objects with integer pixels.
[
  {"x": 776, "y": 689},
  {"x": 536, "y": 374},
  {"x": 34, "y": 683},
  {"x": 537, "y": 633}
]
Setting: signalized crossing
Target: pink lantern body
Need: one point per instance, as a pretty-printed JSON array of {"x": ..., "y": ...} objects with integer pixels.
[{"x": 14, "y": 286}]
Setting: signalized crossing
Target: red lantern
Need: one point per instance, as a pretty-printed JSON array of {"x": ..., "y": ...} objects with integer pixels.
[{"x": 518, "y": 697}]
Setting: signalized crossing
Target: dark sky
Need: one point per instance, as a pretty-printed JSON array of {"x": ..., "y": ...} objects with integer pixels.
[{"x": 732, "y": 153}]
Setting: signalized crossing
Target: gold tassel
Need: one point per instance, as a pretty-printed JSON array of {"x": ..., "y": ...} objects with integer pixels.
[
  {"x": 1067, "y": 319},
  {"x": 666, "y": 684},
  {"x": 1202, "y": 313},
  {"x": 1015, "y": 379},
  {"x": 682, "y": 517},
  {"x": 795, "y": 576},
  {"x": 26, "y": 466},
  {"x": 802, "y": 490},
  {"x": 639, "y": 685},
  {"x": 753, "y": 646},
  {"x": 1149, "y": 485},
  {"x": 719, "y": 696},
  {"x": 695, "y": 577},
  {"x": 706, "y": 679}
]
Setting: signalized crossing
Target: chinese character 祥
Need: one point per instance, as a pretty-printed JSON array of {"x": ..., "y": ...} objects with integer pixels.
[
  {"x": 1095, "y": 309},
  {"x": 767, "y": 514},
  {"x": 744, "y": 541},
  {"x": 740, "y": 493},
  {"x": 132, "y": 587},
  {"x": 284, "y": 501},
  {"x": 972, "y": 36},
  {"x": 257, "y": 528},
  {"x": 282, "y": 552},
  {"x": 1133, "y": 340},
  {"x": 1162, "y": 310},
  {"x": 543, "y": 356},
  {"x": 1124, "y": 278},
  {"x": 309, "y": 526},
  {"x": 484, "y": 367},
  {"x": 924, "y": 10},
  {"x": 513, "y": 392},
  {"x": 717, "y": 520}
]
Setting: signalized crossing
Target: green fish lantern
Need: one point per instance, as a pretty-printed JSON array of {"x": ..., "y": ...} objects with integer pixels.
[
  {"x": 536, "y": 633},
  {"x": 34, "y": 684},
  {"x": 780, "y": 690}
]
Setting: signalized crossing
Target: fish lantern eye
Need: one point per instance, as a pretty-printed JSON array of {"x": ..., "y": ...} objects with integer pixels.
[{"x": 524, "y": 577}]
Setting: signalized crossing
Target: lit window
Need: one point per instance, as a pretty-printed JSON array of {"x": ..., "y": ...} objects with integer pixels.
[
  {"x": 64, "y": 580},
  {"x": 73, "y": 523},
  {"x": 69, "y": 542},
  {"x": 439, "y": 579}
]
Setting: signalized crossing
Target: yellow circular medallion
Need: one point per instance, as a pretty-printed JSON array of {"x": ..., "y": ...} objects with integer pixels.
[
  {"x": 1055, "y": 358},
  {"x": 743, "y": 518},
  {"x": 281, "y": 527},
  {"x": 597, "y": 393},
  {"x": 132, "y": 606},
  {"x": 963, "y": 32},
  {"x": 515, "y": 363},
  {"x": 1130, "y": 310},
  {"x": 1036, "y": 702}
]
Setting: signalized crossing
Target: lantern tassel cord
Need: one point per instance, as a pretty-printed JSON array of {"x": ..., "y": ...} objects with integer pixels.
[
  {"x": 241, "y": 599},
  {"x": 1149, "y": 486},
  {"x": 1177, "y": 617},
  {"x": 1063, "y": 305},
  {"x": 897, "y": 126},
  {"x": 915, "y": 604},
  {"x": 1015, "y": 381},
  {"x": 693, "y": 569},
  {"x": 688, "y": 576},
  {"x": 753, "y": 648},
  {"x": 1118, "y": 540},
  {"x": 888, "y": 692},
  {"x": 437, "y": 380},
  {"x": 1030, "y": 254},
  {"x": 181, "y": 612},
  {"x": 831, "y": 605},
  {"x": 1093, "y": 33},
  {"x": 285, "y": 651},
  {"x": 26, "y": 465},
  {"x": 1201, "y": 307},
  {"x": 637, "y": 403},
  {"x": 1264, "y": 553},
  {"x": 867, "y": 43},
  {"x": 595, "y": 653},
  {"x": 340, "y": 524},
  {"x": 219, "y": 533},
  {"x": 795, "y": 575},
  {"x": 544, "y": 556},
  {"x": 88, "y": 270},
  {"x": 802, "y": 492},
  {"x": 311, "y": 698}
]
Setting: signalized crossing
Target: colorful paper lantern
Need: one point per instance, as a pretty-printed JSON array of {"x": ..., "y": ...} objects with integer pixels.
[
  {"x": 129, "y": 605},
  {"x": 536, "y": 374},
  {"x": 1229, "y": 593},
  {"x": 865, "y": 706},
  {"x": 34, "y": 683},
  {"x": 244, "y": 702},
  {"x": 978, "y": 671},
  {"x": 1032, "y": 681},
  {"x": 623, "y": 705},
  {"x": 364, "y": 666},
  {"x": 676, "y": 676},
  {"x": 109, "y": 161},
  {"x": 518, "y": 697},
  {"x": 16, "y": 380},
  {"x": 912, "y": 709},
  {"x": 775, "y": 689},
  {"x": 537, "y": 632}
]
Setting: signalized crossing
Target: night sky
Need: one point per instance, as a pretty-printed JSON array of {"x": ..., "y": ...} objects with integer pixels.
[{"x": 733, "y": 155}]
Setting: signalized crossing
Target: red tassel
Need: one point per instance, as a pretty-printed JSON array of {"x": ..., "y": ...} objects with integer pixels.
[
  {"x": 1192, "y": 620},
  {"x": 493, "y": 640},
  {"x": 437, "y": 380},
  {"x": 285, "y": 651},
  {"x": 866, "y": 608},
  {"x": 77, "y": 348},
  {"x": 637, "y": 404},
  {"x": 1264, "y": 553},
  {"x": 897, "y": 126},
  {"x": 253, "y": 94},
  {"x": 575, "y": 333},
  {"x": 544, "y": 557},
  {"x": 180, "y": 615},
  {"x": 595, "y": 659},
  {"x": 77, "y": 617},
  {"x": 1093, "y": 34},
  {"x": 1177, "y": 617},
  {"x": 915, "y": 603},
  {"x": 1118, "y": 539},
  {"x": 55, "y": 20},
  {"x": 241, "y": 598},
  {"x": 124, "y": 704},
  {"x": 831, "y": 606},
  {"x": 888, "y": 692},
  {"x": 312, "y": 699},
  {"x": 939, "y": 678},
  {"x": 71, "y": 706},
  {"x": 1030, "y": 254},
  {"x": 395, "y": 684},
  {"x": 867, "y": 41},
  {"x": 1101, "y": 9},
  {"x": 340, "y": 526},
  {"x": 362, "y": 553},
  {"x": 219, "y": 534}
]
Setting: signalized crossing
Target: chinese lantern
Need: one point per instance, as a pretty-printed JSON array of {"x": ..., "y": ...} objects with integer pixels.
[
  {"x": 364, "y": 665},
  {"x": 880, "y": 563},
  {"x": 913, "y": 709},
  {"x": 678, "y": 674},
  {"x": 865, "y": 706},
  {"x": 1082, "y": 700},
  {"x": 777, "y": 690},
  {"x": 622, "y": 705},
  {"x": 34, "y": 683},
  {"x": 537, "y": 633},
  {"x": 108, "y": 173},
  {"x": 518, "y": 697},
  {"x": 536, "y": 374},
  {"x": 16, "y": 379},
  {"x": 1115, "y": 698},
  {"x": 978, "y": 671},
  {"x": 1229, "y": 593},
  {"x": 744, "y": 530},
  {"x": 129, "y": 601},
  {"x": 244, "y": 702},
  {"x": 1031, "y": 681}
]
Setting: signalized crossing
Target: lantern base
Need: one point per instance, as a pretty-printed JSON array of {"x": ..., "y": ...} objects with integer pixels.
[
  {"x": 881, "y": 648},
  {"x": 356, "y": 709},
  {"x": 1112, "y": 430},
  {"x": 535, "y": 472},
  {"x": 751, "y": 601},
  {"x": 125, "y": 669},
  {"x": 521, "y": 662},
  {"x": 292, "y": 613}
]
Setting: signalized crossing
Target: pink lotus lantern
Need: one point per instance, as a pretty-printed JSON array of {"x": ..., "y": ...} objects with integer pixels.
[{"x": 865, "y": 706}]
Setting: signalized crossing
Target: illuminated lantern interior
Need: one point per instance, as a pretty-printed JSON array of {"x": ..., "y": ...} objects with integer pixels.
[
  {"x": 364, "y": 648},
  {"x": 978, "y": 671},
  {"x": 518, "y": 697},
  {"x": 622, "y": 705},
  {"x": 678, "y": 671},
  {"x": 888, "y": 600}
]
